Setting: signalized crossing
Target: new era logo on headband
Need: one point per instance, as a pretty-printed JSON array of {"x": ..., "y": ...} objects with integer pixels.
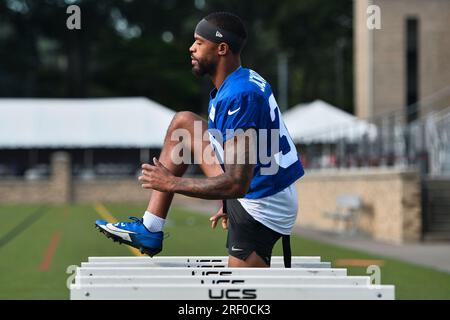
[{"x": 213, "y": 33}]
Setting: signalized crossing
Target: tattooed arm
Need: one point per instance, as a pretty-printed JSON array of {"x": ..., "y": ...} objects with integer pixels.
[
  {"x": 240, "y": 153},
  {"x": 233, "y": 183}
]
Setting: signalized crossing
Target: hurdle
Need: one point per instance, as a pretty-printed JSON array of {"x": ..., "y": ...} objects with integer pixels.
[
  {"x": 190, "y": 259},
  {"x": 99, "y": 271},
  {"x": 212, "y": 280},
  {"x": 208, "y": 277},
  {"x": 259, "y": 291},
  {"x": 195, "y": 264}
]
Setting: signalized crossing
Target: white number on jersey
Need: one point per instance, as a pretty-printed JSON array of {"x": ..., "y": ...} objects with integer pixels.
[{"x": 283, "y": 160}]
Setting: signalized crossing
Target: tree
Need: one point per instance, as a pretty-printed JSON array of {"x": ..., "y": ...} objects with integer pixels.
[{"x": 129, "y": 48}]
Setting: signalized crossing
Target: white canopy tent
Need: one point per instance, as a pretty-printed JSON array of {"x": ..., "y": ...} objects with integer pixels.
[
  {"x": 319, "y": 121},
  {"x": 134, "y": 122}
]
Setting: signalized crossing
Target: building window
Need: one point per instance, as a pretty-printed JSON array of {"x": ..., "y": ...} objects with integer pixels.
[{"x": 412, "y": 68}]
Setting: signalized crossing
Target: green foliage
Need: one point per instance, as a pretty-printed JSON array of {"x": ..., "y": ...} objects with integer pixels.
[{"x": 120, "y": 49}]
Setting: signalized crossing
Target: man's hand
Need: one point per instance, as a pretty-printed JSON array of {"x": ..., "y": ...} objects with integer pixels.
[
  {"x": 234, "y": 182},
  {"x": 219, "y": 215},
  {"x": 157, "y": 177}
]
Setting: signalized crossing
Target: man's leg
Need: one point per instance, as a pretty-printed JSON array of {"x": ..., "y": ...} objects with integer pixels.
[
  {"x": 160, "y": 202},
  {"x": 253, "y": 261},
  {"x": 249, "y": 242},
  {"x": 146, "y": 234}
]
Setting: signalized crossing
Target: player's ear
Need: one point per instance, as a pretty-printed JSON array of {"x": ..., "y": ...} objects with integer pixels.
[{"x": 223, "y": 49}]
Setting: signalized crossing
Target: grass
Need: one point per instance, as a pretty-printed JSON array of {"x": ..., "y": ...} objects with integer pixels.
[{"x": 22, "y": 253}]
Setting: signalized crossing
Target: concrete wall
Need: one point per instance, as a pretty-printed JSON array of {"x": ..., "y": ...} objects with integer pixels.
[
  {"x": 56, "y": 189},
  {"x": 61, "y": 188},
  {"x": 391, "y": 202}
]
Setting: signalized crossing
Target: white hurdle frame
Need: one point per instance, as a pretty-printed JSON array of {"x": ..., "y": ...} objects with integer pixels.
[
  {"x": 176, "y": 271},
  {"x": 217, "y": 280},
  {"x": 208, "y": 277},
  {"x": 164, "y": 264},
  {"x": 191, "y": 259},
  {"x": 258, "y": 291}
]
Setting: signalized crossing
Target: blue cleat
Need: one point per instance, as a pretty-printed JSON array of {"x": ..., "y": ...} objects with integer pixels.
[{"x": 134, "y": 234}]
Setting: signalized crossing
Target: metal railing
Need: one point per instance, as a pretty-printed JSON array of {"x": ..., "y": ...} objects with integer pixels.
[{"x": 388, "y": 140}]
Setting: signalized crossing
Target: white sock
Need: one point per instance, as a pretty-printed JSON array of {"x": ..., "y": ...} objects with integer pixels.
[{"x": 153, "y": 223}]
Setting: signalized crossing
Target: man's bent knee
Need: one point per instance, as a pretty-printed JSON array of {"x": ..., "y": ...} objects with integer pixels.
[{"x": 183, "y": 119}]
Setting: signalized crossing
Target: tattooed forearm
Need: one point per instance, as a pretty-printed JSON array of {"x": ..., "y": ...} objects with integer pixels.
[
  {"x": 224, "y": 186},
  {"x": 233, "y": 183}
]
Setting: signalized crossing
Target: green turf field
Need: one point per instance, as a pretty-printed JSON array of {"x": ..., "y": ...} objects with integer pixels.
[{"x": 39, "y": 243}]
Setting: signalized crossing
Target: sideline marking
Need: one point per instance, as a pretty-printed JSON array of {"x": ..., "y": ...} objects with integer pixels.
[
  {"x": 21, "y": 227},
  {"x": 50, "y": 252}
]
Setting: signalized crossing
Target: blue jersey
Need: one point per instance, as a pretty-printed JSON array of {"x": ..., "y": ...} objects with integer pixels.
[{"x": 245, "y": 100}]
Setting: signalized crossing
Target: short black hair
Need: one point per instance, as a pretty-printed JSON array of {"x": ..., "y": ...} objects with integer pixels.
[{"x": 228, "y": 22}]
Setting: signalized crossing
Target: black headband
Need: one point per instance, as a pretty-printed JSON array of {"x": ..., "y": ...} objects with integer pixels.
[{"x": 212, "y": 33}]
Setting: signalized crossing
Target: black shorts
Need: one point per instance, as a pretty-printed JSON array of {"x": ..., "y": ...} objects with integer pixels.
[{"x": 246, "y": 235}]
